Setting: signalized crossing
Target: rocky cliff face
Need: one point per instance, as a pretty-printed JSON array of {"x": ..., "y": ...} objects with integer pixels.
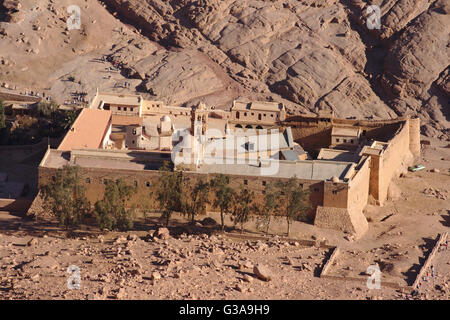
[
  {"x": 316, "y": 54},
  {"x": 311, "y": 54}
]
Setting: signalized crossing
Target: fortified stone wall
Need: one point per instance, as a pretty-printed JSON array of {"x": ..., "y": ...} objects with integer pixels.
[
  {"x": 315, "y": 133},
  {"x": 414, "y": 137},
  {"x": 312, "y": 134},
  {"x": 335, "y": 194},
  {"x": 95, "y": 180},
  {"x": 344, "y": 203},
  {"x": 358, "y": 187},
  {"x": 395, "y": 160}
]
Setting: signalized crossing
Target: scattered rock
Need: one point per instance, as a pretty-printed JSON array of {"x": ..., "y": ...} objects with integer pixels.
[
  {"x": 162, "y": 233},
  {"x": 120, "y": 294},
  {"x": 248, "y": 278},
  {"x": 209, "y": 222},
  {"x": 262, "y": 272},
  {"x": 32, "y": 242},
  {"x": 156, "y": 275}
]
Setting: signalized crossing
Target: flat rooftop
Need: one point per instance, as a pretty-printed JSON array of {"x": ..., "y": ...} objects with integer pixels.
[
  {"x": 307, "y": 170},
  {"x": 257, "y": 105},
  {"x": 141, "y": 160},
  {"x": 119, "y": 120},
  {"x": 104, "y": 159},
  {"x": 121, "y": 99},
  {"x": 337, "y": 155},
  {"x": 345, "y": 131}
]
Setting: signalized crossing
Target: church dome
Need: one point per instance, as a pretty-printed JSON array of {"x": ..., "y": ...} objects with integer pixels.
[{"x": 166, "y": 118}]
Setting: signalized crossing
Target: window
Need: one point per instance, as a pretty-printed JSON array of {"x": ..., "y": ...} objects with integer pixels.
[
  {"x": 337, "y": 139},
  {"x": 134, "y": 131},
  {"x": 246, "y": 182},
  {"x": 125, "y": 109},
  {"x": 88, "y": 180},
  {"x": 264, "y": 183},
  {"x": 263, "y": 192},
  {"x": 334, "y": 191},
  {"x": 271, "y": 115},
  {"x": 135, "y": 183},
  {"x": 131, "y": 109},
  {"x": 119, "y": 108},
  {"x": 352, "y": 141},
  {"x": 245, "y": 114},
  {"x": 345, "y": 140},
  {"x": 147, "y": 184}
]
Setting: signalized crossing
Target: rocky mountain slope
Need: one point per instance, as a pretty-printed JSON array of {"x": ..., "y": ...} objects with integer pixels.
[{"x": 311, "y": 54}]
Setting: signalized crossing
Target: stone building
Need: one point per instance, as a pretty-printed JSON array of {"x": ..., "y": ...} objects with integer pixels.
[{"x": 341, "y": 182}]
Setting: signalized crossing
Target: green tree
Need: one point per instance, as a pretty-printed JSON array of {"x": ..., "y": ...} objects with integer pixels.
[
  {"x": 195, "y": 198},
  {"x": 169, "y": 192},
  {"x": 242, "y": 206},
  {"x": 65, "y": 197},
  {"x": 112, "y": 211},
  {"x": 223, "y": 195},
  {"x": 46, "y": 109},
  {"x": 293, "y": 201},
  {"x": 2, "y": 116},
  {"x": 267, "y": 208},
  {"x": 67, "y": 119}
]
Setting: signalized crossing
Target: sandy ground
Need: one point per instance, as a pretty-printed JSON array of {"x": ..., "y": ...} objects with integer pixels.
[{"x": 199, "y": 262}]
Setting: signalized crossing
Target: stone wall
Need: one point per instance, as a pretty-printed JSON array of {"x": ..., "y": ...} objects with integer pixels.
[
  {"x": 358, "y": 186},
  {"x": 19, "y": 205},
  {"x": 393, "y": 161},
  {"x": 344, "y": 203},
  {"x": 95, "y": 181}
]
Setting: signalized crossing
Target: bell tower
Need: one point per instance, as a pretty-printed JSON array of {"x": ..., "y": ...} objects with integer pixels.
[
  {"x": 199, "y": 126},
  {"x": 199, "y": 120}
]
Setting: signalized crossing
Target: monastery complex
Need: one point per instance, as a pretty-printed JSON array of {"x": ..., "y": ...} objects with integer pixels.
[{"x": 345, "y": 164}]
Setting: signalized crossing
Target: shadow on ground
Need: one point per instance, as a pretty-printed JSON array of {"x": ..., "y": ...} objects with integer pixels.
[{"x": 412, "y": 272}]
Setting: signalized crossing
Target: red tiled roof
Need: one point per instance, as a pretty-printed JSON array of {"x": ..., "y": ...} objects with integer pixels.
[{"x": 88, "y": 130}]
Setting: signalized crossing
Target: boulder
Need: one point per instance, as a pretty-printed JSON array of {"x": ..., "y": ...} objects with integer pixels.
[
  {"x": 209, "y": 222},
  {"x": 262, "y": 272},
  {"x": 162, "y": 233},
  {"x": 32, "y": 242}
]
